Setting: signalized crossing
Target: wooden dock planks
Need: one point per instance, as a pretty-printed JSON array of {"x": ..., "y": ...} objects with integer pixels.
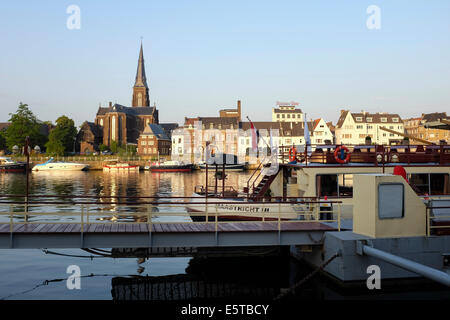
[{"x": 172, "y": 227}]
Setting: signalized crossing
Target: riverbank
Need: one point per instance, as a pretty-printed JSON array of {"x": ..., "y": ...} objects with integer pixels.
[{"x": 97, "y": 162}]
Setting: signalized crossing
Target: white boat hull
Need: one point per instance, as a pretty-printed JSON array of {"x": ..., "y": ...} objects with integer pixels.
[
  {"x": 61, "y": 167},
  {"x": 234, "y": 209}
]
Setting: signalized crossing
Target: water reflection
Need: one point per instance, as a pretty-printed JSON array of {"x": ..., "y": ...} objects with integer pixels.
[{"x": 126, "y": 185}]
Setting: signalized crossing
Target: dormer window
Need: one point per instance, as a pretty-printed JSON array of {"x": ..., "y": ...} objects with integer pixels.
[
  {"x": 359, "y": 119},
  {"x": 383, "y": 119},
  {"x": 369, "y": 119},
  {"x": 395, "y": 119}
]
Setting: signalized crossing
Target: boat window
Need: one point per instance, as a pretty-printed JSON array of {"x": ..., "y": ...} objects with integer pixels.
[
  {"x": 430, "y": 183},
  {"x": 345, "y": 187},
  {"x": 439, "y": 183},
  {"x": 420, "y": 181},
  {"x": 391, "y": 201},
  {"x": 327, "y": 185}
]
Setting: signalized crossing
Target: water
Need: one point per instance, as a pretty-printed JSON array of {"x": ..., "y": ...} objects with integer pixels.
[{"x": 40, "y": 274}]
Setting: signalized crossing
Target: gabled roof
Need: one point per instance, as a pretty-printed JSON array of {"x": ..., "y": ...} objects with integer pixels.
[
  {"x": 436, "y": 116},
  {"x": 155, "y": 130},
  {"x": 375, "y": 117}
]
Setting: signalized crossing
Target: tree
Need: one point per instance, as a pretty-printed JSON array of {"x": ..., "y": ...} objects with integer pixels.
[
  {"x": 2, "y": 140},
  {"x": 114, "y": 147},
  {"x": 54, "y": 147},
  {"x": 62, "y": 137},
  {"x": 102, "y": 147},
  {"x": 24, "y": 123}
]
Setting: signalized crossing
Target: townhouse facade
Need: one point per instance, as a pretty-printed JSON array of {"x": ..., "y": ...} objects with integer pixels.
[{"x": 354, "y": 128}]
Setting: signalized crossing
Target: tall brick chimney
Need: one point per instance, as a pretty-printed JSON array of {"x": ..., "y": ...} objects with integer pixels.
[{"x": 239, "y": 109}]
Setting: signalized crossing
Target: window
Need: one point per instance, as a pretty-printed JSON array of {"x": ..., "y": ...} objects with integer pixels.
[
  {"x": 359, "y": 127},
  {"x": 288, "y": 116},
  {"x": 345, "y": 185},
  {"x": 391, "y": 200},
  {"x": 278, "y": 116},
  {"x": 143, "y": 143},
  {"x": 326, "y": 185},
  {"x": 369, "y": 127},
  {"x": 430, "y": 183},
  {"x": 359, "y": 119},
  {"x": 369, "y": 119},
  {"x": 383, "y": 119},
  {"x": 334, "y": 185},
  {"x": 395, "y": 119}
]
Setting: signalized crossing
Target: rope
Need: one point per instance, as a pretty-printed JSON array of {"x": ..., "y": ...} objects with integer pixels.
[{"x": 305, "y": 279}]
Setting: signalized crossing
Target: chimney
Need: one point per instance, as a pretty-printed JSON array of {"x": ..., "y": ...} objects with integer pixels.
[
  {"x": 110, "y": 104},
  {"x": 239, "y": 109}
]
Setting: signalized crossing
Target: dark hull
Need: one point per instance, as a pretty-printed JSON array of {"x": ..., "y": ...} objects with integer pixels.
[
  {"x": 185, "y": 168},
  {"x": 20, "y": 167}
]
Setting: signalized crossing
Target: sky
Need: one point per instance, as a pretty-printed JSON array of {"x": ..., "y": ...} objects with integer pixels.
[{"x": 202, "y": 56}]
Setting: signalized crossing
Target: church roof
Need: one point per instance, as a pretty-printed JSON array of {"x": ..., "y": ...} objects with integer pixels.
[
  {"x": 141, "y": 79},
  {"x": 136, "y": 111}
]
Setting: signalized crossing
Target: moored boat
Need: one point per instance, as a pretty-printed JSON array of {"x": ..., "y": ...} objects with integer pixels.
[
  {"x": 9, "y": 165},
  {"x": 51, "y": 165},
  {"x": 116, "y": 166},
  {"x": 171, "y": 166}
]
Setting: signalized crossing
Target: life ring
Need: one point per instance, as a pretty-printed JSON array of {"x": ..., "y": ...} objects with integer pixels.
[
  {"x": 339, "y": 153},
  {"x": 292, "y": 154}
]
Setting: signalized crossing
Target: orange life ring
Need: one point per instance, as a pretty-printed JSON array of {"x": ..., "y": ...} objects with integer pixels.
[
  {"x": 338, "y": 151},
  {"x": 292, "y": 154}
]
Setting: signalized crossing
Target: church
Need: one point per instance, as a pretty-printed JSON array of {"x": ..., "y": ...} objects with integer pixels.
[{"x": 119, "y": 123}]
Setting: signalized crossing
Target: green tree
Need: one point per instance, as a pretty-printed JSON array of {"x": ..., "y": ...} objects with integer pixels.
[
  {"x": 102, "y": 147},
  {"x": 2, "y": 140},
  {"x": 54, "y": 147},
  {"x": 115, "y": 146},
  {"x": 24, "y": 123},
  {"x": 62, "y": 136}
]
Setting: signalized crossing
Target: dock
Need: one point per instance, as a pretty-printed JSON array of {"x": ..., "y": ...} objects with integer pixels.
[{"x": 159, "y": 235}]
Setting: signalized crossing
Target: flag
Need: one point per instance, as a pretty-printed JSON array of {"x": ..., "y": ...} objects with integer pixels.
[
  {"x": 255, "y": 136},
  {"x": 271, "y": 139},
  {"x": 307, "y": 138}
]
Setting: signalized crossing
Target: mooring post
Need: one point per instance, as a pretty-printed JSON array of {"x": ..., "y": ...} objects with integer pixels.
[{"x": 27, "y": 169}]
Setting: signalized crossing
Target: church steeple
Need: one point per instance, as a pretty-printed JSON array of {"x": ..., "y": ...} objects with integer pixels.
[{"x": 140, "y": 89}]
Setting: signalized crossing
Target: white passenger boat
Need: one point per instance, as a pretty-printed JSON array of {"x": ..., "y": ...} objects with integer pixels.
[
  {"x": 52, "y": 165},
  {"x": 325, "y": 175}
]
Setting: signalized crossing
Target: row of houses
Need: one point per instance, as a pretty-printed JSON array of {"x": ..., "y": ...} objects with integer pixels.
[{"x": 229, "y": 134}]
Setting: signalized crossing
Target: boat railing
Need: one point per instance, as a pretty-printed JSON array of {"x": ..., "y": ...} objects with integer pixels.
[
  {"x": 437, "y": 216},
  {"x": 378, "y": 155},
  {"x": 127, "y": 213}
]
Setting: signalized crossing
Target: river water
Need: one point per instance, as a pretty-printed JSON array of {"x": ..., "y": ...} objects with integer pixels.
[{"x": 130, "y": 274}]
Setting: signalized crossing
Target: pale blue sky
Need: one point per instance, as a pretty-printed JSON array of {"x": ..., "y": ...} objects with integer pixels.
[{"x": 201, "y": 56}]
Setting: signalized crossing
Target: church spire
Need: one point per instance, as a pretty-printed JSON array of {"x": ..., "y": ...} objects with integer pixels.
[
  {"x": 141, "y": 80},
  {"x": 140, "y": 89}
]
